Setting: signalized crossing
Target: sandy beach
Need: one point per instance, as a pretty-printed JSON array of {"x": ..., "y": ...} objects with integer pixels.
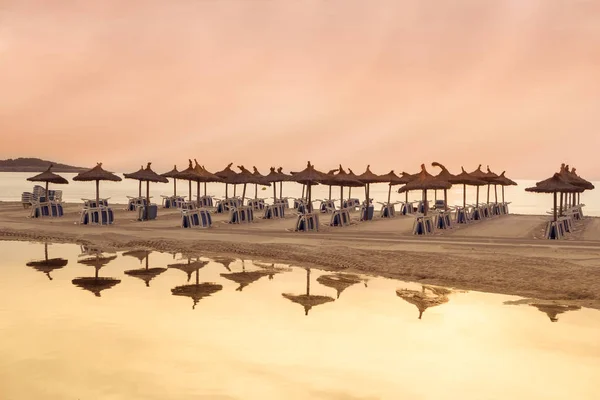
[{"x": 501, "y": 255}]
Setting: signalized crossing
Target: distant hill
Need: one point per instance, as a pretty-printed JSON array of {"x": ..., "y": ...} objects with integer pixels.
[{"x": 35, "y": 165}]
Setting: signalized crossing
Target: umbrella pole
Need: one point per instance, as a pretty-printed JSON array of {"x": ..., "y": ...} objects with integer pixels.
[
  {"x": 329, "y": 192},
  {"x": 274, "y": 192},
  {"x": 174, "y": 187},
  {"x": 488, "y": 194},
  {"x": 140, "y": 189},
  {"x": 190, "y": 189},
  {"x": 464, "y": 196},
  {"x": 147, "y": 199},
  {"x": 308, "y": 281},
  {"x": 425, "y": 205},
  {"x": 198, "y": 193},
  {"x": 435, "y": 195},
  {"x": 281, "y": 189},
  {"x": 97, "y": 193},
  {"x": 46, "y": 250},
  {"x": 554, "y": 206},
  {"x": 389, "y": 194},
  {"x": 503, "y": 193},
  {"x": 496, "y": 194},
  {"x": 47, "y": 196},
  {"x": 445, "y": 199},
  {"x": 226, "y": 187},
  {"x": 255, "y": 191},
  {"x": 244, "y": 194},
  {"x": 205, "y": 191},
  {"x": 561, "y": 204},
  {"x": 349, "y": 192},
  {"x": 234, "y": 190},
  {"x": 477, "y": 199},
  {"x": 303, "y": 191}
]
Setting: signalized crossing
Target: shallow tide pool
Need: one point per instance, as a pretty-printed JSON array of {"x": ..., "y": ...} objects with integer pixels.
[{"x": 170, "y": 326}]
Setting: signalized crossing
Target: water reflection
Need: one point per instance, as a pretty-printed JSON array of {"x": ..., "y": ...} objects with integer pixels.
[
  {"x": 146, "y": 274},
  {"x": 225, "y": 261},
  {"x": 428, "y": 296},
  {"x": 196, "y": 291},
  {"x": 551, "y": 309},
  {"x": 48, "y": 265},
  {"x": 244, "y": 278},
  {"x": 95, "y": 284},
  {"x": 189, "y": 267},
  {"x": 307, "y": 300},
  {"x": 340, "y": 282}
]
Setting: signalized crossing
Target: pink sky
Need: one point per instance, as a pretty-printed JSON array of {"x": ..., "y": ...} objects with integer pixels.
[{"x": 393, "y": 83}]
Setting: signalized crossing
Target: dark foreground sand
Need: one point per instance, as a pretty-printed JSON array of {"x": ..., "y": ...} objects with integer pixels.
[{"x": 501, "y": 255}]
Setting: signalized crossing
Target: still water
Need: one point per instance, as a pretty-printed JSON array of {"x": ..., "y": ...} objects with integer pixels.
[
  {"x": 12, "y": 184},
  {"x": 246, "y": 331}
]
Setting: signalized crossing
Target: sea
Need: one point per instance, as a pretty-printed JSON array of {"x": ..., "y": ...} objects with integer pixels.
[{"x": 12, "y": 184}]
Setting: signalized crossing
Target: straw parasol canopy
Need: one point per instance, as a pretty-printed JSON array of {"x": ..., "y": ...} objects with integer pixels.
[
  {"x": 140, "y": 182},
  {"x": 48, "y": 177},
  {"x": 504, "y": 181},
  {"x": 367, "y": 178},
  {"x": 482, "y": 176},
  {"x": 444, "y": 175},
  {"x": 189, "y": 174},
  {"x": 579, "y": 181},
  {"x": 429, "y": 296},
  {"x": 173, "y": 174},
  {"x": 96, "y": 284},
  {"x": 203, "y": 176},
  {"x": 97, "y": 174},
  {"x": 245, "y": 177},
  {"x": 309, "y": 176},
  {"x": 425, "y": 181},
  {"x": 308, "y": 300},
  {"x": 245, "y": 278},
  {"x": 341, "y": 179},
  {"x": 339, "y": 282},
  {"x": 554, "y": 185},
  {"x": 147, "y": 175},
  {"x": 97, "y": 261},
  {"x": 146, "y": 274},
  {"x": 261, "y": 178},
  {"x": 226, "y": 174},
  {"x": 394, "y": 179},
  {"x": 196, "y": 291},
  {"x": 48, "y": 265}
]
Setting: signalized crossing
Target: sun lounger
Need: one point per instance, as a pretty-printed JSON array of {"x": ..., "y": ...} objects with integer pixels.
[
  {"x": 388, "y": 210},
  {"x": 367, "y": 213},
  {"x": 424, "y": 225},
  {"x": 241, "y": 215},
  {"x": 442, "y": 220},
  {"x": 97, "y": 216},
  {"x": 256, "y": 204},
  {"x": 198, "y": 218},
  {"x": 340, "y": 217},
  {"x": 274, "y": 211},
  {"x": 554, "y": 230},
  {"x": 308, "y": 222},
  {"x": 147, "y": 213},
  {"x": 327, "y": 206}
]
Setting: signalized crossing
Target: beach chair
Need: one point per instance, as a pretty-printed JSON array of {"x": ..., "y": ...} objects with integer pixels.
[
  {"x": 308, "y": 222},
  {"x": 26, "y": 199},
  {"x": 423, "y": 225},
  {"x": 367, "y": 213},
  {"x": 284, "y": 201},
  {"x": 147, "y": 212},
  {"x": 256, "y": 204},
  {"x": 463, "y": 215},
  {"x": 554, "y": 230},
  {"x": 388, "y": 210},
  {"x": 97, "y": 216},
  {"x": 198, "y": 218},
  {"x": 327, "y": 206},
  {"x": 241, "y": 215},
  {"x": 274, "y": 211},
  {"x": 442, "y": 220}
]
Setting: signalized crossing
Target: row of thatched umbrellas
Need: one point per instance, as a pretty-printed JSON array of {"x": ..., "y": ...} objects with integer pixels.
[
  {"x": 422, "y": 181},
  {"x": 565, "y": 182}
]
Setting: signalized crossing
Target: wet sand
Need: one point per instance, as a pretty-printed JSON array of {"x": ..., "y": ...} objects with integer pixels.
[{"x": 501, "y": 255}]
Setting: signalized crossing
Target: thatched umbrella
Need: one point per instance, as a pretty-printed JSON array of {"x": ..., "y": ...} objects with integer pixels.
[
  {"x": 574, "y": 179},
  {"x": 190, "y": 267},
  {"x": 245, "y": 177},
  {"x": 444, "y": 175},
  {"x": 145, "y": 274},
  {"x": 429, "y": 296},
  {"x": 48, "y": 265},
  {"x": 554, "y": 185},
  {"x": 394, "y": 180},
  {"x": 284, "y": 178},
  {"x": 139, "y": 171},
  {"x": 227, "y": 174},
  {"x": 48, "y": 177},
  {"x": 96, "y": 284},
  {"x": 552, "y": 310},
  {"x": 173, "y": 174},
  {"x": 308, "y": 300},
  {"x": 425, "y": 181},
  {"x": 339, "y": 282},
  {"x": 479, "y": 175},
  {"x": 491, "y": 178},
  {"x": 367, "y": 178},
  {"x": 342, "y": 180},
  {"x": 97, "y": 174},
  {"x": 197, "y": 291},
  {"x": 147, "y": 175},
  {"x": 309, "y": 177},
  {"x": 465, "y": 179},
  {"x": 202, "y": 175},
  {"x": 274, "y": 177},
  {"x": 189, "y": 174},
  {"x": 259, "y": 177},
  {"x": 504, "y": 181}
]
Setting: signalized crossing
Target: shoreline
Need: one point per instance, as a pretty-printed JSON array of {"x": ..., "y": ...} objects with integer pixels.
[{"x": 500, "y": 255}]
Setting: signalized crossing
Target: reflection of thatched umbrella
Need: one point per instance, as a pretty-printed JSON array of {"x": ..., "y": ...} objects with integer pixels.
[
  {"x": 96, "y": 284},
  {"x": 172, "y": 174},
  {"x": 97, "y": 174},
  {"x": 271, "y": 269},
  {"x": 146, "y": 274},
  {"x": 147, "y": 175},
  {"x": 429, "y": 296},
  {"x": 425, "y": 181},
  {"x": 189, "y": 174},
  {"x": 196, "y": 291},
  {"x": 309, "y": 177},
  {"x": 552, "y": 310},
  {"x": 339, "y": 282},
  {"x": 49, "y": 177},
  {"x": 225, "y": 261},
  {"x": 554, "y": 185},
  {"x": 190, "y": 267},
  {"x": 308, "y": 300},
  {"x": 48, "y": 265},
  {"x": 245, "y": 278}
]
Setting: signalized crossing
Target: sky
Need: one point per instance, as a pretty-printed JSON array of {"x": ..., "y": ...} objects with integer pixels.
[{"x": 392, "y": 83}]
